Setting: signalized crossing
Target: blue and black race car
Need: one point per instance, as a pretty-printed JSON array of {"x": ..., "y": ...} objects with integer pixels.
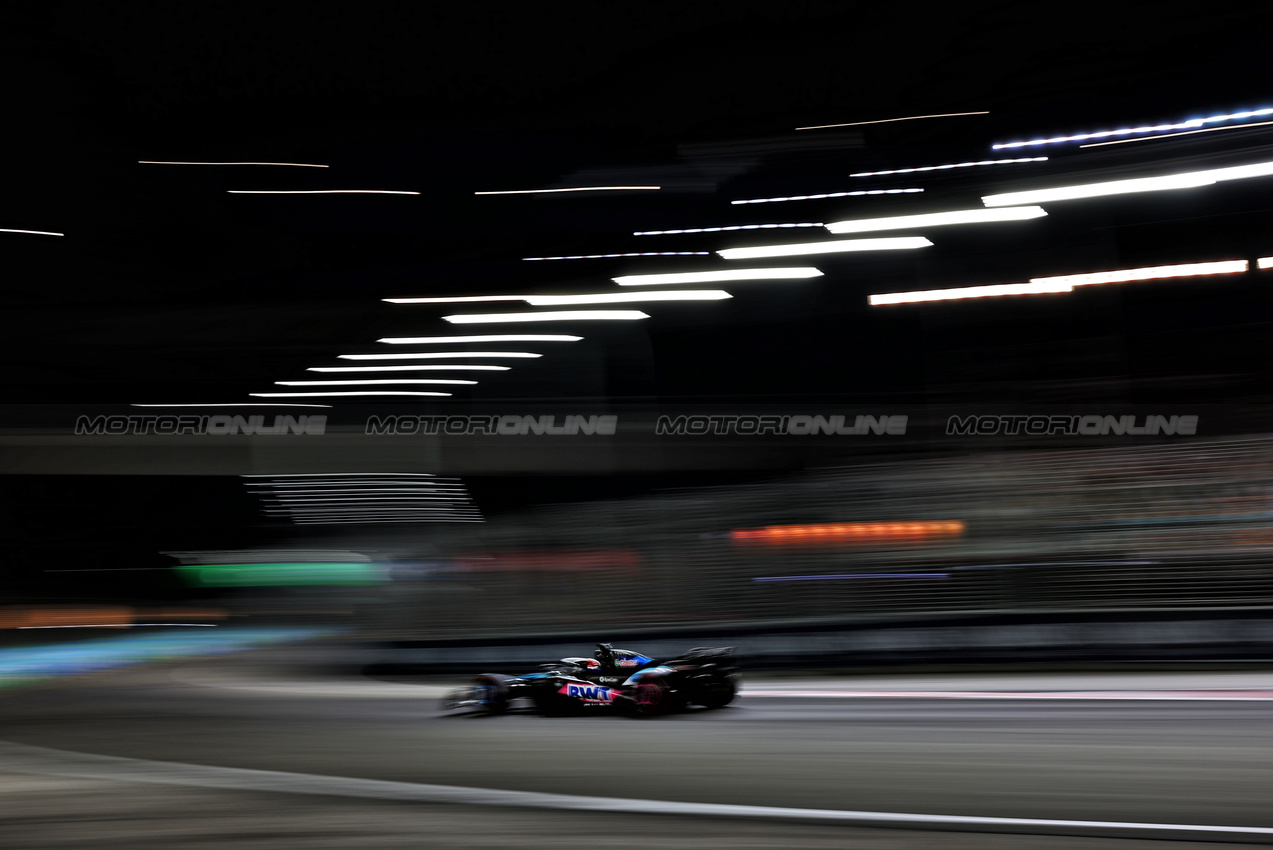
[{"x": 611, "y": 679}]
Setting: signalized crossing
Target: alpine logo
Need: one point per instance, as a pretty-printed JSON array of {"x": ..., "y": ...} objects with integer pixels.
[{"x": 588, "y": 693}]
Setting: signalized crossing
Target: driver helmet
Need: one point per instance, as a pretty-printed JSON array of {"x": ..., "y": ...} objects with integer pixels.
[{"x": 604, "y": 655}]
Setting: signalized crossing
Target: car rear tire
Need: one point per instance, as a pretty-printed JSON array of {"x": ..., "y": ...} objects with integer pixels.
[
  {"x": 716, "y": 693},
  {"x": 651, "y": 696}
]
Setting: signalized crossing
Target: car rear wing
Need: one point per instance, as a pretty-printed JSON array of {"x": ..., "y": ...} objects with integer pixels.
[{"x": 721, "y": 656}]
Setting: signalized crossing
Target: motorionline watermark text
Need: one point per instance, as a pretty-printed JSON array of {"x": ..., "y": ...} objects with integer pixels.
[
  {"x": 218, "y": 425},
  {"x": 1087, "y": 425},
  {"x": 799, "y": 425},
  {"x": 505, "y": 425}
]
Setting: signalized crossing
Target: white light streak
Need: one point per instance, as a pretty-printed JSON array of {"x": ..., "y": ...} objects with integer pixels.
[
  {"x": 378, "y": 507},
  {"x": 458, "y": 299},
  {"x": 895, "y": 243},
  {"x": 951, "y": 165},
  {"x": 1150, "y": 273},
  {"x": 596, "y": 298},
  {"x": 1186, "y": 180},
  {"x": 371, "y": 382},
  {"x": 549, "y": 316},
  {"x": 428, "y": 367},
  {"x": 396, "y": 502},
  {"x": 368, "y": 512},
  {"x": 1062, "y": 283},
  {"x": 633, "y": 254},
  {"x": 1240, "y": 172},
  {"x": 730, "y": 227},
  {"x": 792, "y": 273},
  {"x": 425, "y": 489},
  {"x": 289, "y": 164},
  {"x": 1173, "y": 135},
  {"x": 235, "y": 404},
  {"x": 310, "y": 488},
  {"x": 440, "y": 355},
  {"x": 319, "y": 192},
  {"x": 628, "y": 297},
  {"x": 357, "y": 493},
  {"x": 990, "y": 291},
  {"x": 1097, "y": 190},
  {"x": 354, "y": 500},
  {"x": 1128, "y": 131},
  {"x": 1264, "y": 263},
  {"x": 891, "y": 120},
  {"x": 357, "y": 393},
  {"x": 336, "y": 474},
  {"x": 573, "y": 189},
  {"x": 829, "y": 195},
  {"x": 450, "y": 340},
  {"x": 907, "y": 222},
  {"x": 31, "y": 232},
  {"x": 369, "y": 520}
]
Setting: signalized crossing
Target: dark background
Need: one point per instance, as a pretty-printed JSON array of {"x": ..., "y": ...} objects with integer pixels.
[{"x": 168, "y": 289}]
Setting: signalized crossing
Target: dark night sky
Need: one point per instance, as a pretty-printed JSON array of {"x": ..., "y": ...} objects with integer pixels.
[{"x": 167, "y": 288}]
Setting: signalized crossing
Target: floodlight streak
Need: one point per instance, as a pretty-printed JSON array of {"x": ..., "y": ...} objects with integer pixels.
[
  {"x": 951, "y": 165},
  {"x": 235, "y": 404},
  {"x": 307, "y": 500},
  {"x": 1096, "y": 190},
  {"x": 574, "y": 189},
  {"x": 439, "y": 355},
  {"x": 790, "y": 273},
  {"x": 991, "y": 291},
  {"x": 351, "y": 485},
  {"x": 430, "y": 367},
  {"x": 838, "y": 246},
  {"x": 634, "y": 254},
  {"x": 318, "y": 192},
  {"x": 329, "y": 395},
  {"x": 549, "y": 316},
  {"x": 369, "y": 520},
  {"x": 337, "y": 474},
  {"x": 1173, "y": 135},
  {"x": 450, "y": 340},
  {"x": 890, "y": 120},
  {"x": 459, "y": 299},
  {"x": 32, "y": 232},
  {"x": 829, "y": 195},
  {"x": 171, "y": 162},
  {"x": 1062, "y": 283},
  {"x": 906, "y": 222},
  {"x": 355, "y": 490},
  {"x": 1264, "y": 263},
  {"x": 628, "y": 297},
  {"x": 1158, "y": 128},
  {"x": 1150, "y": 273},
  {"x": 362, "y": 491},
  {"x": 372, "y": 382},
  {"x": 722, "y": 229}
]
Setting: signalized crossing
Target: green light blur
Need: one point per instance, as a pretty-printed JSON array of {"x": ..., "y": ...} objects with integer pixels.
[{"x": 277, "y": 575}]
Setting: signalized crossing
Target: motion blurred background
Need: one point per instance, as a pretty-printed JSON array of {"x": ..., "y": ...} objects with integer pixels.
[{"x": 151, "y": 270}]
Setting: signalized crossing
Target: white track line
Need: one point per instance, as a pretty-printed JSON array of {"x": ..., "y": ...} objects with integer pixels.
[
  {"x": 1235, "y": 695},
  {"x": 365, "y": 689},
  {"x": 22, "y": 758}
]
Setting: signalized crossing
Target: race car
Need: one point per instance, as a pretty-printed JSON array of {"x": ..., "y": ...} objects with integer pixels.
[{"x": 615, "y": 679}]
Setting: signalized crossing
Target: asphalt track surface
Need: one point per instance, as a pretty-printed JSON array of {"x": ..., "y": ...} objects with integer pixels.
[{"x": 1105, "y": 751}]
